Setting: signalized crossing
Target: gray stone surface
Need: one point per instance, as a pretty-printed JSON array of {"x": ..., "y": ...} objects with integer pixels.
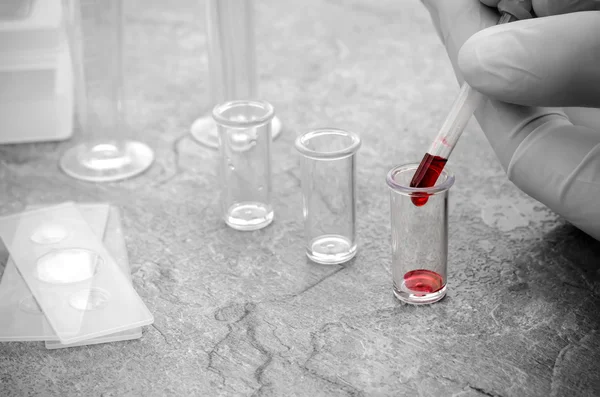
[{"x": 245, "y": 313}]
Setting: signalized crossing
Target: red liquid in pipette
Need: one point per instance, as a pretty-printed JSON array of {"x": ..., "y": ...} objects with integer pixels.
[
  {"x": 422, "y": 280},
  {"x": 426, "y": 175}
]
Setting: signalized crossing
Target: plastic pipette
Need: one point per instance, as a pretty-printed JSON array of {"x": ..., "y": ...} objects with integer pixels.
[{"x": 462, "y": 109}]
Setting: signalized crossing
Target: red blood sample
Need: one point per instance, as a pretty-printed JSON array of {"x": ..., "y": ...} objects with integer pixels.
[
  {"x": 423, "y": 280},
  {"x": 426, "y": 175}
]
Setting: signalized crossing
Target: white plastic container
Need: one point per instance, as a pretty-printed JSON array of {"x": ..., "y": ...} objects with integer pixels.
[{"x": 36, "y": 76}]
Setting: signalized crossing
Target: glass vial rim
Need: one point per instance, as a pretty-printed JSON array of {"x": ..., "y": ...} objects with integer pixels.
[
  {"x": 301, "y": 144},
  {"x": 219, "y": 109},
  {"x": 408, "y": 191}
]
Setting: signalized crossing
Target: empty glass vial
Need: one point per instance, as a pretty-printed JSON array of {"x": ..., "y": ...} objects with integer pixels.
[
  {"x": 419, "y": 236},
  {"x": 328, "y": 192},
  {"x": 244, "y": 131}
]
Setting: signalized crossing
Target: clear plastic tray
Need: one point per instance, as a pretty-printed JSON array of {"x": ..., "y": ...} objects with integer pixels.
[
  {"x": 77, "y": 284},
  {"x": 23, "y": 319},
  {"x": 115, "y": 244}
]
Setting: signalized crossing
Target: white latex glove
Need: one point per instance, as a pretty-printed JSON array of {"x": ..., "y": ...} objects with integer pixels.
[{"x": 529, "y": 68}]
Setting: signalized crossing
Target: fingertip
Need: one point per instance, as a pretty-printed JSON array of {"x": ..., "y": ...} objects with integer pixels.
[
  {"x": 476, "y": 62},
  {"x": 467, "y": 58},
  {"x": 512, "y": 62},
  {"x": 495, "y": 62}
]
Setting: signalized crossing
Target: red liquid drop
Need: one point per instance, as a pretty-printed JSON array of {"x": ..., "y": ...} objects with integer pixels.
[
  {"x": 426, "y": 175},
  {"x": 422, "y": 280}
]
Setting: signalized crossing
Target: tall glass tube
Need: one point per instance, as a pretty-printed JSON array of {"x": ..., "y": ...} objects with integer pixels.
[
  {"x": 328, "y": 192},
  {"x": 245, "y": 147},
  {"x": 96, "y": 41},
  {"x": 419, "y": 236},
  {"x": 232, "y": 70}
]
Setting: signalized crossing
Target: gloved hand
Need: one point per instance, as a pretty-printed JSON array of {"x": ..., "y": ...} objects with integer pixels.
[{"x": 527, "y": 69}]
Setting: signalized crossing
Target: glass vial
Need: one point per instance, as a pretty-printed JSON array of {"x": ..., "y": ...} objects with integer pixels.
[
  {"x": 244, "y": 131},
  {"x": 232, "y": 63},
  {"x": 329, "y": 193},
  {"x": 95, "y": 30},
  {"x": 419, "y": 236}
]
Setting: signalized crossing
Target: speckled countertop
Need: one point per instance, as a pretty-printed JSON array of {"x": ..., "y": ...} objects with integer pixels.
[{"x": 245, "y": 314}]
